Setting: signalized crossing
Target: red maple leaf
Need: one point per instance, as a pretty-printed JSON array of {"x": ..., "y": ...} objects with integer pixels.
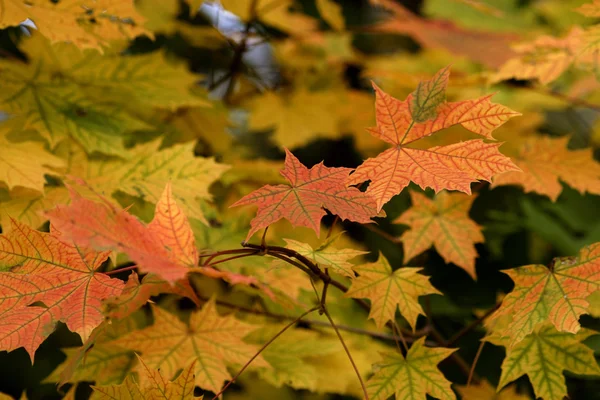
[
  {"x": 303, "y": 201},
  {"x": 50, "y": 280}
]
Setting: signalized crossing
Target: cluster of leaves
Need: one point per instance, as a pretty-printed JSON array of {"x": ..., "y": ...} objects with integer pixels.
[{"x": 133, "y": 133}]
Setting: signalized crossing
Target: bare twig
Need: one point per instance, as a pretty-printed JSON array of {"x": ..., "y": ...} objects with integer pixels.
[
  {"x": 472, "y": 371},
  {"x": 471, "y": 326}
]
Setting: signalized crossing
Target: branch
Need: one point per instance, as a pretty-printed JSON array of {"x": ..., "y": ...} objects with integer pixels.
[{"x": 472, "y": 325}]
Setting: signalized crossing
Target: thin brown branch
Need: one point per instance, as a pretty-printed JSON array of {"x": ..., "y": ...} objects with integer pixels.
[
  {"x": 229, "y": 259},
  {"x": 263, "y": 347},
  {"x": 477, "y": 355},
  {"x": 474, "y": 324},
  {"x": 339, "y": 335},
  {"x": 375, "y": 229},
  {"x": 116, "y": 271},
  {"x": 211, "y": 256}
]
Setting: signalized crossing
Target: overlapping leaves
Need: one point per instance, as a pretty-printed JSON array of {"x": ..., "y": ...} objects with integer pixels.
[{"x": 423, "y": 113}]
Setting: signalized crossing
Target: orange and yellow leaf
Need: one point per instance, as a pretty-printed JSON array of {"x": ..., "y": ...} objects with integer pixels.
[{"x": 444, "y": 223}]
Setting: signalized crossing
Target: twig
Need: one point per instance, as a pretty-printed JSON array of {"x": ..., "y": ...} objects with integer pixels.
[
  {"x": 229, "y": 259},
  {"x": 339, "y": 335},
  {"x": 263, "y": 347},
  {"x": 472, "y": 371},
  {"x": 382, "y": 233},
  {"x": 116, "y": 271},
  {"x": 224, "y": 252},
  {"x": 471, "y": 326}
]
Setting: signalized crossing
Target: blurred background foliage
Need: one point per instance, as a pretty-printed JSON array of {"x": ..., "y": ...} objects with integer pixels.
[{"x": 301, "y": 80}]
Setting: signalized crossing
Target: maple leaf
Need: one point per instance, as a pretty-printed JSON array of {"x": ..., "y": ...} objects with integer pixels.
[
  {"x": 214, "y": 341},
  {"x": 310, "y": 191},
  {"x": 27, "y": 206},
  {"x": 445, "y": 223},
  {"x": 101, "y": 225},
  {"x": 48, "y": 270},
  {"x": 544, "y": 59},
  {"x": 590, "y": 9},
  {"x": 297, "y": 118},
  {"x": 389, "y": 290},
  {"x": 423, "y": 113},
  {"x": 326, "y": 256},
  {"x": 289, "y": 356},
  {"x": 156, "y": 387},
  {"x": 556, "y": 294},
  {"x": 24, "y": 164},
  {"x": 85, "y": 23},
  {"x": 412, "y": 377},
  {"x": 484, "y": 391},
  {"x": 98, "y": 360},
  {"x": 544, "y": 160},
  {"x": 97, "y": 97},
  {"x": 543, "y": 355}
]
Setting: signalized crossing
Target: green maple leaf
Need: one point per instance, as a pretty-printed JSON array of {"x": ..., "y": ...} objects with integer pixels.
[
  {"x": 543, "y": 356},
  {"x": 412, "y": 377}
]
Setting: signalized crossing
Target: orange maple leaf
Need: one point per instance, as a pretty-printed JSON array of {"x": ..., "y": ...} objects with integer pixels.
[
  {"x": 445, "y": 223},
  {"x": 47, "y": 269},
  {"x": 310, "y": 191},
  {"x": 557, "y": 294},
  {"x": 423, "y": 113},
  {"x": 101, "y": 225},
  {"x": 544, "y": 160}
]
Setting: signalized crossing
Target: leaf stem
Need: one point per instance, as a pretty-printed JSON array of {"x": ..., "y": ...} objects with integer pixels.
[
  {"x": 222, "y": 253},
  {"x": 339, "y": 335},
  {"x": 264, "y": 346},
  {"x": 119, "y": 270},
  {"x": 471, "y": 326},
  {"x": 472, "y": 370}
]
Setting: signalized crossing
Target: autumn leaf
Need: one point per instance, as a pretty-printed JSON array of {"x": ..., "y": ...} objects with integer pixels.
[
  {"x": 332, "y": 13},
  {"x": 423, "y": 113},
  {"x": 412, "y": 377},
  {"x": 326, "y": 256},
  {"x": 101, "y": 225},
  {"x": 557, "y": 294},
  {"x": 214, "y": 341},
  {"x": 98, "y": 360},
  {"x": 297, "y": 118},
  {"x": 310, "y": 191},
  {"x": 484, "y": 391},
  {"x": 27, "y": 206},
  {"x": 543, "y": 355},
  {"x": 389, "y": 291},
  {"x": 544, "y": 59},
  {"x": 85, "y": 23},
  {"x": 544, "y": 160},
  {"x": 90, "y": 97},
  {"x": 156, "y": 387},
  {"x": 445, "y": 223},
  {"x": 63, "y": 277},
  {"x": 24, "y": 164}
]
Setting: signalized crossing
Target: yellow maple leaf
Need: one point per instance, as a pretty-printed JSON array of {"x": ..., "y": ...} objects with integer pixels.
[
  {"x": 85, "y": 23},
  {"x": 544, "y": 160},
  {"x": 155, "y": 387},
  {"x": 484, "y": 391},
  {"x": 389, "y": 291},
  {"x": 28, "y": 205},
  {"x": 298, "y": 117},
  {"x": 444, "y": 223},
  {"x": 24, "y": 164},
  {"x": 332, "y": 13},
  {"x": 214, "y": 341}
]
